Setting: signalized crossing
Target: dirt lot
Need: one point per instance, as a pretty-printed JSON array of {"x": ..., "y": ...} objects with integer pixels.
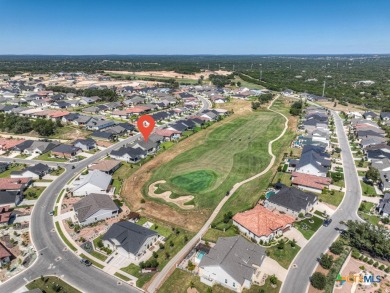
[
  {"x": 349, "y": 108},
  {"x": 132, "y": 188},
  {"x": 171, "y": 74}
]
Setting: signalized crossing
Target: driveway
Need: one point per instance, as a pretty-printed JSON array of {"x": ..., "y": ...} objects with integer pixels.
[
  {"x": 324, "y": 207},
  {"x": 272, "y": 267},
  {"x": 293, "y": 233}
]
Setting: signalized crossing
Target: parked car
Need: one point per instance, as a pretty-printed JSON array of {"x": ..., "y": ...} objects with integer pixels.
[
  {"x": 86, "y": 262},
  {"x": 327, "y": 222},
  {"x": 51, "y": 213}
]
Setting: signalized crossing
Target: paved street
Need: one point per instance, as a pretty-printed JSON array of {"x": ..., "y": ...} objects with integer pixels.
[
  {"x": 49, "y": 245},
  {"x": 297, "y": 280}
]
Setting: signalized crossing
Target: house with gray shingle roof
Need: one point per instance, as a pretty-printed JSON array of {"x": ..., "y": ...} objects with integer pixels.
[
  {"x": 95, "y": 207},
  {"x": 129, "y": 240},
  {"x": 233, "y": 262},
  {"x": 384, "y": 206},
  {"x": 292, "y": 201}
]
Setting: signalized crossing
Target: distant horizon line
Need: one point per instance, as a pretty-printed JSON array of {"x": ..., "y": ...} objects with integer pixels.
[{"x": 270, "y": 54}]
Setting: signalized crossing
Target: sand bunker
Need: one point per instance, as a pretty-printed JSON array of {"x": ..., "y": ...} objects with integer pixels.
[{"x": 180, "y": 201}]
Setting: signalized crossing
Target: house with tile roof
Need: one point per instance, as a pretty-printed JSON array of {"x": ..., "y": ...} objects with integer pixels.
[
  {"x": 262, "y": 224},
  {"x": 310, "y": 182}
]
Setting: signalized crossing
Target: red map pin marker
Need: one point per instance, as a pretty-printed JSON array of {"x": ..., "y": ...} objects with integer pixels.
[{"x": 146, "y": 125}]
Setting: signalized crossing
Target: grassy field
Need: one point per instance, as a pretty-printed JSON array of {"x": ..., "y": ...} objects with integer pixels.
[
  {"x": 33, "y": 192},
  {"x": 283, "y": 256},
  {"x": 284, "y": 178},
  {"x": 248, "y": 194},
  {"x": 333, "y": 199},
  {"x": 231, "y": 153},
  {"x": 308, "y": 229},
  {"x": 11, "y": 168},
  {"x": 51, "y": 285},
  {"x": 46, "y": 157},
  {"x": 367, "y": 189},
  {"x": 212, "y": 234}
]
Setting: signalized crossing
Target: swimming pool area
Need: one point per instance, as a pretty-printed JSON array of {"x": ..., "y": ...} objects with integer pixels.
[
  {"x": 200, "y": 255},
  {"x": 269, "y": 193}
]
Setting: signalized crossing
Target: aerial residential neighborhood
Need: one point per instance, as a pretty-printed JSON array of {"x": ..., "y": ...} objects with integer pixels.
[{"x": 194, "y": 147}]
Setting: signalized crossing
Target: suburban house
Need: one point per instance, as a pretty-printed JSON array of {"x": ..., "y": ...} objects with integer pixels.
[
  {"x": 65, "y": 150},
  {"x": 369, "y": 115},
  {"x": 35, "y": 172},
  {"x": 314, "y": 161},
  {"x": 106, "y": 166},
  {"x": 103, "y": 135},
  {"x": 95, "y": 207},
  {"x": 233, "y": 262},
  {"x": 150, "y": 147},
  {"x": 262, "y": 224},
  {"x": 292, "y": 201},
  {"x": 8, "y": 144},
  {"x": 128, "y": 154},
  {"x": 129, "y": 240},
  {"x": 5, "y": 214},
  {"x": 168, "y": 135},
  {"x": 384, "y": 205},
  {"x": 11, "y": 190},
  {"x": 85, "y": 144},
  {"x": 5, "y": 255},
  {"x": 385, "y": 116},
  {"x": 310, "y": 182},
  {"x": 3, "y": 166},
  {"x": 39, "y": 147},
  {"x": 93, "y": 182},
  {"x": 94, "y": 124},
  {"x": 383, "y": 166}
]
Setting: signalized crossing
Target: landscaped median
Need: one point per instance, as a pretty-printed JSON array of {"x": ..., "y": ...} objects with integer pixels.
[{"x": 63, "y": 237}]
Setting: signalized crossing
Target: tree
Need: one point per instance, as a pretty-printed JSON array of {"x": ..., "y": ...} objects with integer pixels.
[
  {"x": 281, "y": 244},
  {"x": 337, "y": 247},
  {"x": 44, "y": 127},
  {"x": 326, "y": 261},
  {"x": 273, "y": 279},
  {"x": 373, "y": 174},
  {"x": 227, "y": 217},
  {"x": 296, "y": 108},
  {"x": 318, "y": 280}
]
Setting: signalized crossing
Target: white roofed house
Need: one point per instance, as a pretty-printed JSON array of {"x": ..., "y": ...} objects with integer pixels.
[
  {"x": 93, "y": 182},
  {"x": 95, "y": 207}
]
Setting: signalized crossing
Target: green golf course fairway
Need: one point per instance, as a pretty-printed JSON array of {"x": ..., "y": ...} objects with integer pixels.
[
  {"x": 196, "y": 181},
  {"x": 234, "y": 150}
]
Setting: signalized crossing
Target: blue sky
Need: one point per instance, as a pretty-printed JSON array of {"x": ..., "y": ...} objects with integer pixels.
[{"x": 194, "y": 27}]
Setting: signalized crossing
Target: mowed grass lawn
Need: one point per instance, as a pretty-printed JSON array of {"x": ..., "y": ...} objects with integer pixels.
[
  {"x": 283, "y": 256},
  {"x": 232, "y": 152}
]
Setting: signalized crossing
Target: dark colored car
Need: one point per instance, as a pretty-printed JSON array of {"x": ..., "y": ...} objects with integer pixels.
[
  {"x": 327, "y": 222},
  {"x": 85, "y": 262}
]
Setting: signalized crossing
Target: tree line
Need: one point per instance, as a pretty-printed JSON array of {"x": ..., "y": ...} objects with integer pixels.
[{"x": 19, "y": 125}]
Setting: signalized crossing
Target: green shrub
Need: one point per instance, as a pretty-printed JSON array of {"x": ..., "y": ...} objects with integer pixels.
[{"x": 318, "y": 280}]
